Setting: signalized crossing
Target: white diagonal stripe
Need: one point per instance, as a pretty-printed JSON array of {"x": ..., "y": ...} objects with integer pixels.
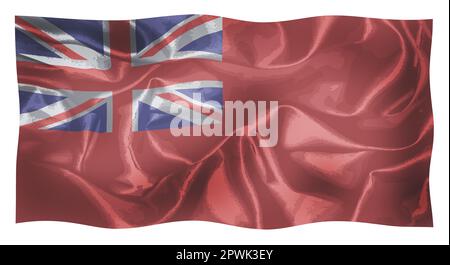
[
  {"x": 171, "y": 50},
  {"x": 165, "y": 106},
  {"x": 56, "y": 124},
  {"x": 93, "y": 59},
  {"x": 165, "y": 35},
  {"x": 191, "y": 35},
  {"x": 73, "y": 99},
  {"x": 41, "y": 42},
  {"x": 148, "y": 95},
  {"x": 50, "y": 110},
  {"x": 64, "y": 38}
]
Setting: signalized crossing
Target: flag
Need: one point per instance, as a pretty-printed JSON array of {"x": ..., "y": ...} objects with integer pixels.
[{"x": 194, "y": 117}]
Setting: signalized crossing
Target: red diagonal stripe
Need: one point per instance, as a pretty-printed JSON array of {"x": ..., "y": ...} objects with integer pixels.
[
  {"x": 190, "y": 25},
  {"x": 69, "y": 113},
  {"x": 48, "y": 39}
]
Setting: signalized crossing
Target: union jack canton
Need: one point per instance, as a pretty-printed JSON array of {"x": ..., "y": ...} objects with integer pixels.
[{"x": 88, "y": 102}]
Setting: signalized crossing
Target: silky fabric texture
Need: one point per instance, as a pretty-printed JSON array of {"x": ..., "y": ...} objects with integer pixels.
[{"x": 355, "y": 133}]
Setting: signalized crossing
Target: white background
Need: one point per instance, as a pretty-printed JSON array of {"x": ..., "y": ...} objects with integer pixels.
[{"x": 211, "y": 233}]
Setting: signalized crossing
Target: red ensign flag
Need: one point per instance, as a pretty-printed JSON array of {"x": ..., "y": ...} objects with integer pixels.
[{"x": 196, "y": 117}]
